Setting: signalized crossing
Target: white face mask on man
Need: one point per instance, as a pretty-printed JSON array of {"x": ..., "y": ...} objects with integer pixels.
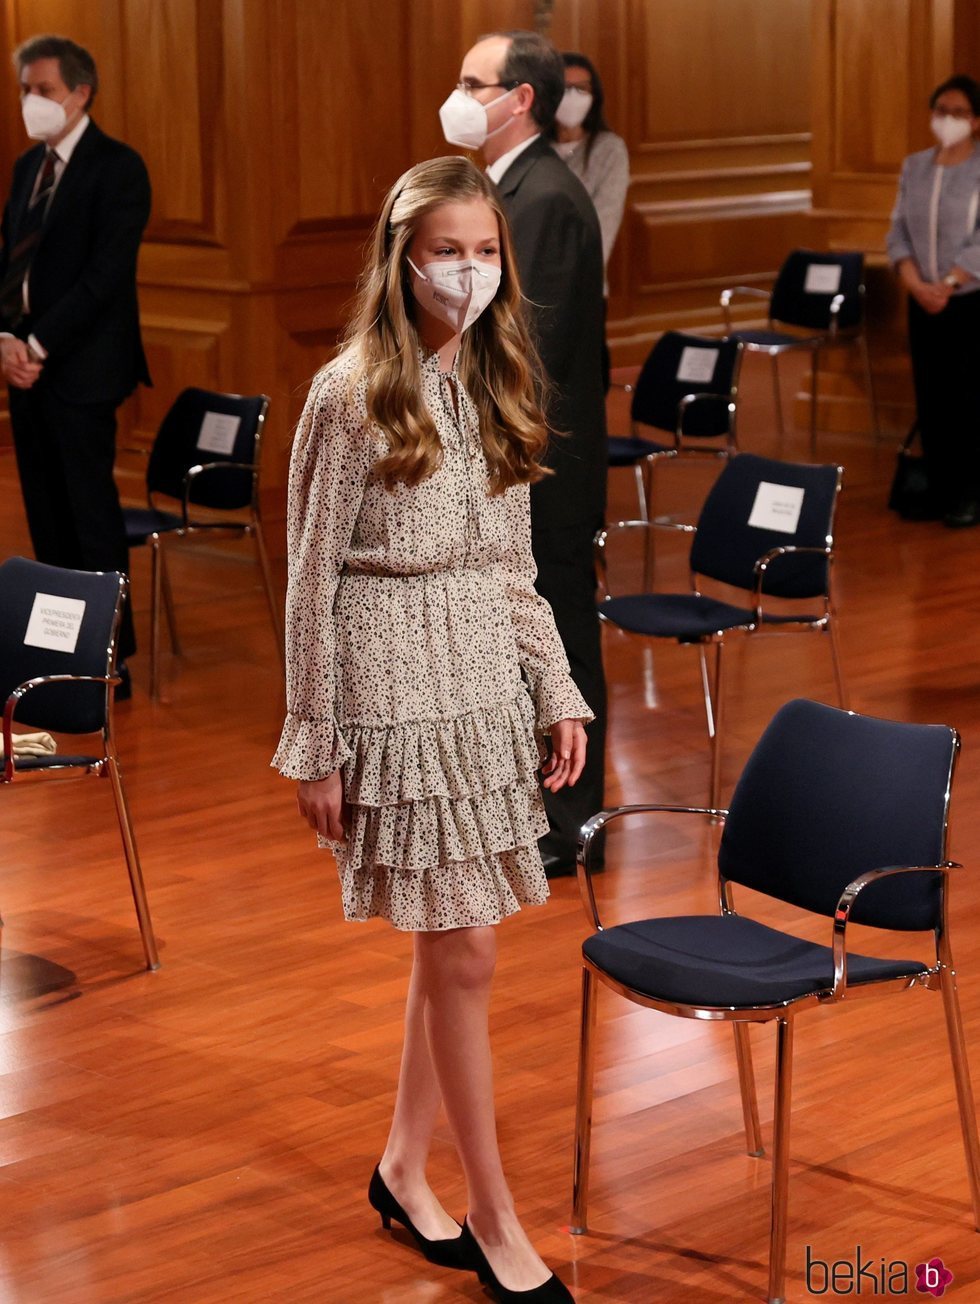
[
  {"x": 950, "y": 131},
  {"x": 43, "y": 118},
  {"x": 464, "y": 119},
  {"x": 455, "y": 292}
]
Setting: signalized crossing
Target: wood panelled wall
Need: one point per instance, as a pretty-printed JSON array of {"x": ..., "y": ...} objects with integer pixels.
[
  {"x": 714, "y": 102},
  {"x": 272, "y": 128}
]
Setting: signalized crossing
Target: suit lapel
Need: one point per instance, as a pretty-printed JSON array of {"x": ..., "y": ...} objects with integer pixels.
[
  {"x": 522, "y": 165},
  {"x": 72, "y": 176}
]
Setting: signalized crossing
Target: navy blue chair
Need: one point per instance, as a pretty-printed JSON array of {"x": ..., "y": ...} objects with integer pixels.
[
  {"x": 821, "y": 297},
  {"x": 205, "y": 454},
  {"x": 58, "y": 673},
  {"x": 766, "y": 528},
  {"x": 688, "y": 389},
  {"x": 835, "y": 813}
]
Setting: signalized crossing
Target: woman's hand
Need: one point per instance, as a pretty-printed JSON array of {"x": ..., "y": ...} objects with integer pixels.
[
  {"x": 323, "y": 807},
  {"x": 931, "y": 297},
  {"x": 567, "y": 758}
]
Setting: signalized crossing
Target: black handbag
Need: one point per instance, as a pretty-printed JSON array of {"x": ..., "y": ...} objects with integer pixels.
[{"x": 911, "y": 493}]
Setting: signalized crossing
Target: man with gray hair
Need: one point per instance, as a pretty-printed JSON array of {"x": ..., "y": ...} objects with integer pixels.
[
  {"x": 70, "y": 347},
  {"x": 510, "y": 86}
]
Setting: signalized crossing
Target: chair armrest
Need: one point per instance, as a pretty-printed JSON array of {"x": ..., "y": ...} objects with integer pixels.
[
  {"x": 845, "y": 905},
  {"x": 21, "y": 691},
  {"x": 200, "y": 469},
  {"x": 689, "y": 399},
  {"x": 598, "y": 822},
  {"x": 744, "y": 291},
  {"x": 836, "y": 303},
  {"x": 764, "y": 562},
  {"x": 601, "y": 537}
]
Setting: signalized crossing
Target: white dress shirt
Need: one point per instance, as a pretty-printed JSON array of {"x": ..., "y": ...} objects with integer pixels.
[{"x": 496, "y": 170}]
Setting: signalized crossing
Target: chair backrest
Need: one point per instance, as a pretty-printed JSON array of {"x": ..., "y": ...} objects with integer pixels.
[
  {"x": 203, "y": 426},
  {"x": 806, "y": 286},
  {"x": 827, "y": 795},
  {"x": 758, "y": 504},
  {"x": 58, "y": 622},
  {"x": 678, "y": 365}
]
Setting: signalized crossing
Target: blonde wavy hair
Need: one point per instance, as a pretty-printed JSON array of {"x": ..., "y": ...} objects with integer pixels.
[{"x": 497, "y": 363}]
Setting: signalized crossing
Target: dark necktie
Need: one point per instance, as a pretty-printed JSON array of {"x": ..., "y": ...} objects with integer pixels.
[{"x": 26, "y": 240}]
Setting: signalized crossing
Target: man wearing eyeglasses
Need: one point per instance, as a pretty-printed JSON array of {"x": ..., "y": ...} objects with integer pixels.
[{"x": 510, "y": 85}]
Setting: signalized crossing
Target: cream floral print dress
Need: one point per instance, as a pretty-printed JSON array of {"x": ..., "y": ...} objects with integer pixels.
[{"x": 422, "y": 661}]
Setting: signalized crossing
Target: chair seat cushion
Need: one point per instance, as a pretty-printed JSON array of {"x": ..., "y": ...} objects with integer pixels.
[
  {"x": 688, "y": 617},
  {"x": 623, "y": 451},
  {"x": 56, "y": 760},
  {"x": 725, "y": 961},
  {"x": 141, "y": 522},
  {"x": 776, "y": 339}
]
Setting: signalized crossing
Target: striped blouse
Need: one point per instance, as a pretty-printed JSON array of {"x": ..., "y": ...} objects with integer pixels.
[{"x": 934, "y": 221}]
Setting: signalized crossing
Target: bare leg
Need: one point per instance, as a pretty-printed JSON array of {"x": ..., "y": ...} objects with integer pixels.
[
  {"x": 457, "y": 971},
  {"x": 416, "y": 1110}
]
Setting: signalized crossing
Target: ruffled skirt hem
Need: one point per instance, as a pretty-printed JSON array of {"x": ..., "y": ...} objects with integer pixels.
[{"x": 465, "y": 894}]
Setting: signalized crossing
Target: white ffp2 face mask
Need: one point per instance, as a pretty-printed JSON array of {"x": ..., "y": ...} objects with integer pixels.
[
  {"x": 455, "y": 292},
  {"x": 950, "y": 131},
  {"x": 43, "y": 118},
  {"x": 464, "y": 119},
  {"x": 574, "y": 108}
]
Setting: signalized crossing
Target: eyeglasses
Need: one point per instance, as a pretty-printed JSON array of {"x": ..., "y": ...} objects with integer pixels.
[
  {"x": 583, "y": 88},
  {"x": 469, "y": 84},
  {"x": 959, "y": 114}
]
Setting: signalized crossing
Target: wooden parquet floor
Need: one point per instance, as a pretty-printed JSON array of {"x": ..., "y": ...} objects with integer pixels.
[{"x": 204, "y": 1134}]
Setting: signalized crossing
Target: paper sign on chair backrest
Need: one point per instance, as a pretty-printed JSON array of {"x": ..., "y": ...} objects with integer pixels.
[
  {"x": 218, "y": 432},
  {"x": 54, "y": 622},
  {"x": 697, "y": 365},
  {"x": 777, "y": 507},
  {"x": 822, "y": 278}
]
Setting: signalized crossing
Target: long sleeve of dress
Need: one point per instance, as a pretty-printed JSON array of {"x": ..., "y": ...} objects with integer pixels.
[
  {"x": 330, "y": 463},
  {"x": 540, "y": 650}
]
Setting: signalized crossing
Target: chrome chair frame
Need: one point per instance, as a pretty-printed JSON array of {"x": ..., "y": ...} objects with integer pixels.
[
  {"x": 105, "y": 767},
  {"x": 940, "y": 976},
  {"x": 814, "y": 342},
  {"x": 684, "y": 445},
  {"x": 161, "y": 540},
  {"x": 712, "y": 683}
]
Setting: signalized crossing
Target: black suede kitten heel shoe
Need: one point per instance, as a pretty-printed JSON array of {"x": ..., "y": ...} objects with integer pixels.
[
  {"x": 552, "y": 1291},
  {"x": 446, "y": 1253}
]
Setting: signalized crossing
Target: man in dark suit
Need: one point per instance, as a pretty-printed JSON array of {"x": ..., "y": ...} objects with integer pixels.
[
  {"x": 514, "y": 82},
  {"x": 71, "y": 349}
]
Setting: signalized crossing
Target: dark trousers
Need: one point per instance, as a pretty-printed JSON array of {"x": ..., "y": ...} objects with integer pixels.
[
  {"x": 566, "y": 578},
  {"x": 945, "y": 350},
  {"x": 65, "y": 454}
]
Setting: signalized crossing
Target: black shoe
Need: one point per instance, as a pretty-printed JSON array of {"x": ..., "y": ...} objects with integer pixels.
[
  {"x": 557, "y": 865},
  {"x": 447, "y": 1254},
  {"x": 124, "y": 690},
  {"x": 925, "y": 510},
  {"x": 965, "y": 513},
  {"x": 552, "y": 1291}
]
